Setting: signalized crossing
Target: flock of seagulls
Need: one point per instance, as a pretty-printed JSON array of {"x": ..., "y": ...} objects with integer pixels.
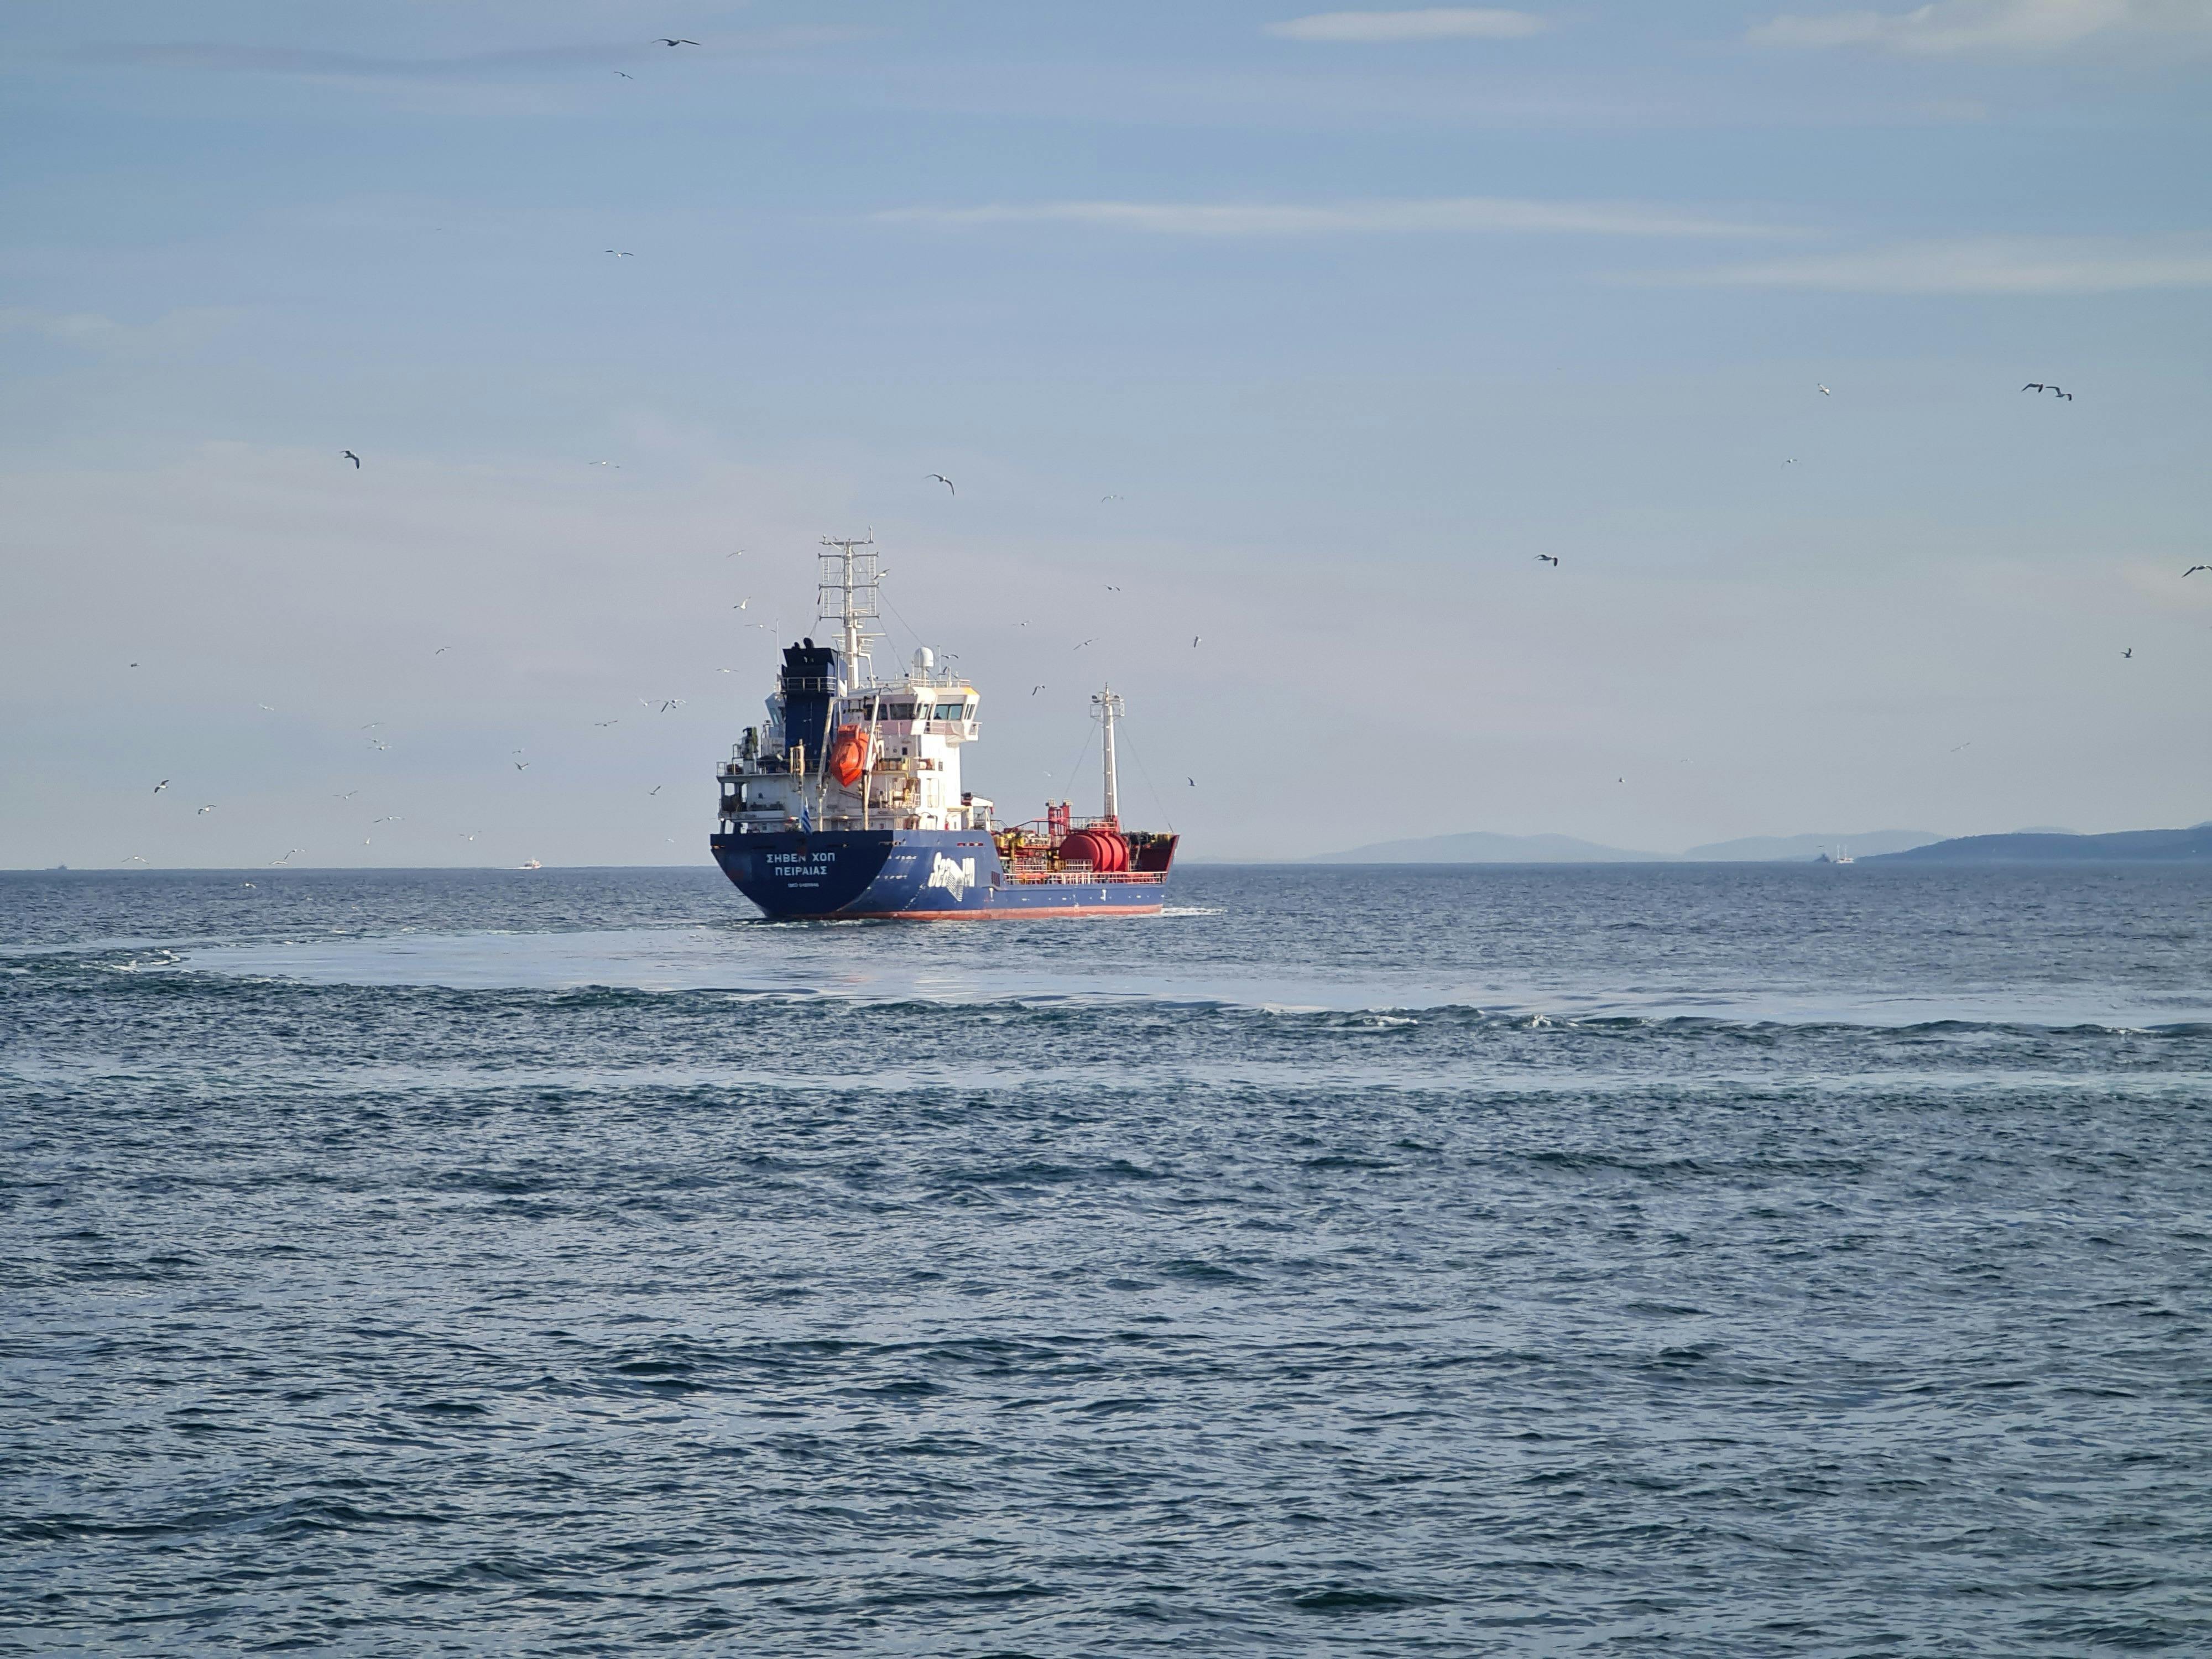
[
  {"x": 662, "y": 705},
  {"x": 668, "y": 704}
]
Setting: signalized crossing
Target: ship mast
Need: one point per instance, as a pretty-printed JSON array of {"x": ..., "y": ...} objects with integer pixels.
[
  {"x": 845, "y": 596},
  {"x": 1108, "y": 702}
]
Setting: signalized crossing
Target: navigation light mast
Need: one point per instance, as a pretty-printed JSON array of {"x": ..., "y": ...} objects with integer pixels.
[{"x": 1108, "y": 704}]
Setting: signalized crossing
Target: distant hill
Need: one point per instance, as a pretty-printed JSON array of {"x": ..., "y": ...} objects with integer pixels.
[
  {"x": 1480, "y": 847},
  {"x": 2192, "y": 846},
  {"x": 1778, "y": 848}
]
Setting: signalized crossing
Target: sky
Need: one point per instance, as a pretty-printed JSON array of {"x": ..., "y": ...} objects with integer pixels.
[{"x": 1297, "y": 334}]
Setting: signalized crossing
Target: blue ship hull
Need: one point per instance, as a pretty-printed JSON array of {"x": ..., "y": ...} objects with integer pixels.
[{"x": 919, "y": 874}]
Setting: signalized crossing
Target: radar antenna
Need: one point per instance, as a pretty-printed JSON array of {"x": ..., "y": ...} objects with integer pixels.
[{"x": 845, "y": 597}]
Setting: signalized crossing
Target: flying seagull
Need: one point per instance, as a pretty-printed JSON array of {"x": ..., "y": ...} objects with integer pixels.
[
  {"x": 270, "y": 708},
  {"x": 2032, "y": 386},
  {"x": 347, "y": 454},
  {"x": 441, "y": 650},
  {"x": 740, "y": 605},
  {"x": 1110, "y": 588},
  {"x": 1547, "y": 558},
  {"x": 946, "y": 482},
  {"x": 159, "y": 786},
  {"x": 1193, "y": 641},
  {"x": 666, "y": 41},
  {"x": 1034, "y": 690},
  {"x": 613, "y": 722},
  {"x": 656, "y": 788},
  {"x": 1093, "y": 641},
  {"x": 619, "y": 254},
  {"x": 522, "y": 766},
  {"x": 1824, "y": 392},
  {"x": 667, "y": 703},
  {"x": 286, "y": 858},
  {"x": 2129, "y": 653},
  {"x": 349, "y": 795},
  {"x": 1192, "y": 782},
  {"x": 210, "y": 807},
  {"x": 2194, "y": 568},
  {"x": 626, "y": 77}
]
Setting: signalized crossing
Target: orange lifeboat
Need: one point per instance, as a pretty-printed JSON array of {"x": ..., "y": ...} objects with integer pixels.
[
  {"x": 849, "y": 755},
  {"x": 1102, "y": 849}
]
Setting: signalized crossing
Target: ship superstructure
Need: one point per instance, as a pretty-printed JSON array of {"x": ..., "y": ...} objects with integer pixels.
[{"x": 849, "y": 802}]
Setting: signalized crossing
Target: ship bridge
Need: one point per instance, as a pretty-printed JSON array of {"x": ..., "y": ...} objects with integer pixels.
[{"x": 843, "y": 749}]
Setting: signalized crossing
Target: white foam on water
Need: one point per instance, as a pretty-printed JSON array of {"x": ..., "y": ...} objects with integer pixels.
[{"x": 879, "y": 963}]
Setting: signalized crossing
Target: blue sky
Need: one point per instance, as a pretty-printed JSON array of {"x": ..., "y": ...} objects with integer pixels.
[{"x": 1352, "y": 314}]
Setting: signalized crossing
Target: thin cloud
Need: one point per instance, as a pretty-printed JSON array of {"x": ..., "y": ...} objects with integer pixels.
[
  {"x": 2052, "y": 266},
  {"x": 181, "y": 330},
  {"x": 1991, "y": 27},
  {"x": 1433, "y": 23},
  {"x": 222, "y": 57},
  {"x": 1447, "y": 214}
]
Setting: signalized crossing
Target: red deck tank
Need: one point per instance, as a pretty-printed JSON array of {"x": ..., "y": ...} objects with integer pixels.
[{"x": 1103, "y": 850}]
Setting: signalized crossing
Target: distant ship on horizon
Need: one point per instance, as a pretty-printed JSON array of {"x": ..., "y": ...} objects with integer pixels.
[{"x": 848, "y": 802}]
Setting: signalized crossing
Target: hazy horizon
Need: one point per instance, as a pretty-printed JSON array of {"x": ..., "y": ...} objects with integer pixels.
[{"x": 1307, "y": 332}]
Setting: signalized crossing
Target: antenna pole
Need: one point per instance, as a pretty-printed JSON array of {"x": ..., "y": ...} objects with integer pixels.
[
  {"x": 846, "y": 598},
  {"x": 1108, "y": 704}
]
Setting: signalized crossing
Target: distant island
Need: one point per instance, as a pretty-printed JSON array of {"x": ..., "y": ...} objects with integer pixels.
[
  {"x": 1481, "y": 846},
  {"x": 2191, "y": 846}
]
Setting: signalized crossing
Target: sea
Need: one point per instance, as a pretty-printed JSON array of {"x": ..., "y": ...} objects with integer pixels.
[{"x": 1684, "y": 1260}]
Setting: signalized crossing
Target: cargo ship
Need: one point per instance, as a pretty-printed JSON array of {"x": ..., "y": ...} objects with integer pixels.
[{"x": 848, "y": 802}]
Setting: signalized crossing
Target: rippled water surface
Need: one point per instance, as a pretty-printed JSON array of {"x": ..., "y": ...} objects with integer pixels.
[{"x": 1746, "y": 1260}]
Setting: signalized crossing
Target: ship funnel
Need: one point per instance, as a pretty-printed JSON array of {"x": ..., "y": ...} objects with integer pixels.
[{"x": 808, "y": 684}]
